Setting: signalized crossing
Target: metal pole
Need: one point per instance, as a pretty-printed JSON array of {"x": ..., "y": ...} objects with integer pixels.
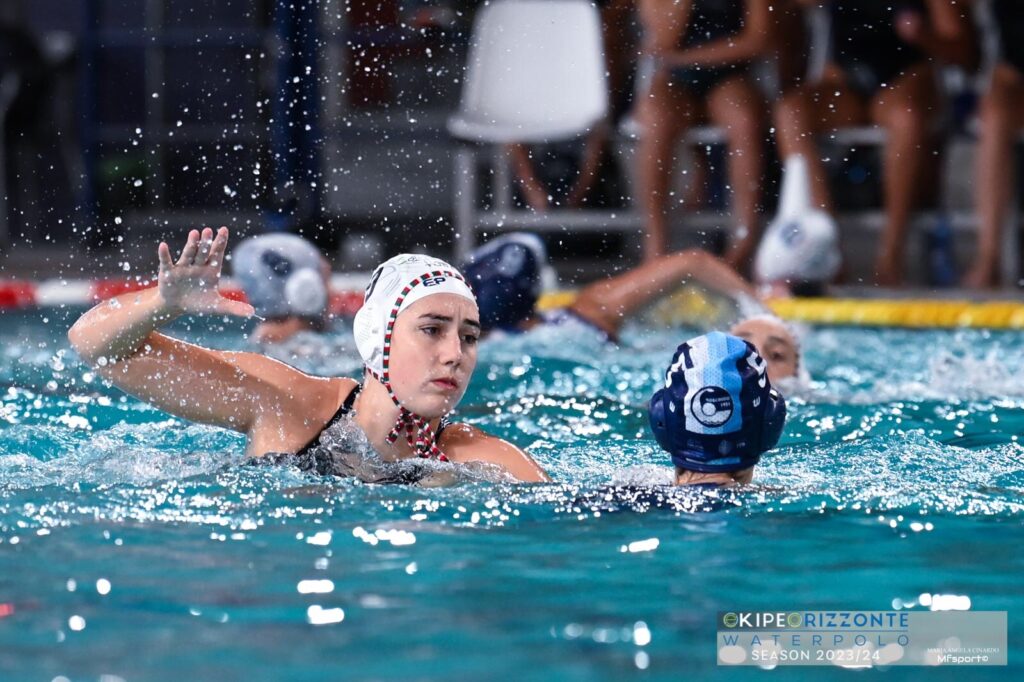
[
  {"x": 8, "y": 91},
  {"x": 464, "y": 186}
]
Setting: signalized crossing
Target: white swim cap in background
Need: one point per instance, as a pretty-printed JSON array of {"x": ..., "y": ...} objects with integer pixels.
[
  {"x": 804, "y": 248},
  {"x": 802, "y": 243},
  {"x": 281, "y": 275},
  {"x": 396, "y": 284}
]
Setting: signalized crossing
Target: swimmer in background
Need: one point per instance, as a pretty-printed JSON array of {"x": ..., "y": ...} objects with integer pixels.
[
  {"x": 717, "y": 412},
  {"x": 417, "y": 334},
  {"x": 505, "y": 274},
  {"x": 287, "y": 281}
]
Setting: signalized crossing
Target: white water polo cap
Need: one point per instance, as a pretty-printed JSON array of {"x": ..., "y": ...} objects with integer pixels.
[
  {"x": 801, "y": 248},
  {"x": 281, "y": 275},
  {"x": 395, "y": 285},
  {"x": 802, "y": 243}
]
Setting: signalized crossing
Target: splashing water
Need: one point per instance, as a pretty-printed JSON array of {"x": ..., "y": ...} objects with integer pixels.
[{"x": 123, "y": 530}]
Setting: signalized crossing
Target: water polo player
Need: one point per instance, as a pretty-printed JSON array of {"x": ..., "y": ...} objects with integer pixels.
[
  {"x": 505, "y": 274},
  {"x": 417, "y": 334},
  {"x": 287, "y": 281},
  {"x": 717, "y": 412}
]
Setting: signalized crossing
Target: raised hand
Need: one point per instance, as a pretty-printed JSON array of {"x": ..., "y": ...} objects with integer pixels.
[{"x": 191, "y": 284}]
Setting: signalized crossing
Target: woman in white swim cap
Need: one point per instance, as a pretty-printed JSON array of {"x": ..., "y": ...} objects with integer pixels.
[{"x": 419, "y": 348}]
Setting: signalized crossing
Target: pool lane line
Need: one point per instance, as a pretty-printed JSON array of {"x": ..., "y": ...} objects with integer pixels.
[{"x": 347, "y": 296}]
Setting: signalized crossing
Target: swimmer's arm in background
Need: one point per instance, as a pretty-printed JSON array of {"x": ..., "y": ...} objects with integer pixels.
[
  {"x": 464, "y": 443},
  {"x": 752, "y": 42},
  {"x": 608, "y": 302}
]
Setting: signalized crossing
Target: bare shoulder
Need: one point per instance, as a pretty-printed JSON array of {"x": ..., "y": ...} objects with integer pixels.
[
  {"x": 292, "y": 385},
  {"x": 288, "y": 425},
  {"x": 465, "y": 443},
  {"x": 459, "y": 440}
]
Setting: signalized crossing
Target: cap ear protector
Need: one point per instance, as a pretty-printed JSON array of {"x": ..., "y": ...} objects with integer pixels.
[
  {"x": 718, "y": 411},
  {"x": 368, "y": 328},
  {"x": 304, "y": 290},
  {"x": 306, "y": 293}
]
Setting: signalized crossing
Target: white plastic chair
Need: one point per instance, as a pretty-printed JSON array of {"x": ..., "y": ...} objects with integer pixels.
[{"x": 536, "y": 73}]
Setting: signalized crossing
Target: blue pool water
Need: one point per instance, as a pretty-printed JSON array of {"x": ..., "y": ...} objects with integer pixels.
[{"x": 135, "y": 546}]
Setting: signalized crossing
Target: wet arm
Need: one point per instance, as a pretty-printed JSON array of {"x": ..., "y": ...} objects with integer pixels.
[
  {"x": 608, "y": 302},
  {"x": 468, "y": 444},
  {"x": 231, "y": 390},
  {"x": 116, "y": 329}
]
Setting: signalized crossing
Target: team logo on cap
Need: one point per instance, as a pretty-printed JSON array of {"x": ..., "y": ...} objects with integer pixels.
[{"x": 712, "y": 406}]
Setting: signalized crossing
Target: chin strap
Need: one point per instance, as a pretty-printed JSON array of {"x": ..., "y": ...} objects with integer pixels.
[{"x": 418, "y": 432}]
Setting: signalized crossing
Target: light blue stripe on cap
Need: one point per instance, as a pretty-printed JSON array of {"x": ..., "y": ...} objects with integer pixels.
[{"x": 720, "y": 356}]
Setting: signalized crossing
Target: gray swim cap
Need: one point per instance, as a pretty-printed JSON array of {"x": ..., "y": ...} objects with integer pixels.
[{"x": 281, "y": 275}]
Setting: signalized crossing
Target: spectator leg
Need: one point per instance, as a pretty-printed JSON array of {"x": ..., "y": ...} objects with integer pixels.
[
  {"x": 1000, "y": 118},
  {"x": 594, "y": 148},
  {"x": 533, "y": 189},
  {"x": 735, "y": 107},
  {"x": 803, "y": 114},
  {"x": 465, "y": 202},
  {"x": 906, "y": 111},
  {"x": 796, "y": 126},
  {"x": 664, "y": 113}
]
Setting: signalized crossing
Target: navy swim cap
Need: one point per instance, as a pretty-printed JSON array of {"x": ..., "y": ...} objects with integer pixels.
[
  {"x": 718, "y": 412},
  {"x": 505, "y": 276}
]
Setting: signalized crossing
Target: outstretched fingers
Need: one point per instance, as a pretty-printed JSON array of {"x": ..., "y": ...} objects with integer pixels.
[
  {"x": 219, "y": 247},
  {"x": 188, "y": 254},
  {"x": 205, "y": 244},
  {"x": 163, "y": 252}
]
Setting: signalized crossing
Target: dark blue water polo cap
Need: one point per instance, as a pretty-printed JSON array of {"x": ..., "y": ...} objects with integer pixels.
[
  {"x": 718, "y": 411},
  {"x": 505, "y": 275}
]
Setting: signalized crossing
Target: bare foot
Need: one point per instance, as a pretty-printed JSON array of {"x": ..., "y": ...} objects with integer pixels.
[{"x": 888, "y": 273}]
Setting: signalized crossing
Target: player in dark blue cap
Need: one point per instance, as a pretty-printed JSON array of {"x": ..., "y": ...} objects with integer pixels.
[{"x": 717, "y": 413}]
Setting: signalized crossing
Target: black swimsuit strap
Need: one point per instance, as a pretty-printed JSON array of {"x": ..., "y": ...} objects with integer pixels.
[
  {"x": 346, "y": 407},
  {"x": 445, "y": 423}
]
